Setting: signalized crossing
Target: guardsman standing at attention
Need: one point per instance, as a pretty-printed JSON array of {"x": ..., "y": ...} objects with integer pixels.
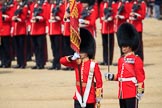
[
  {"x": 131, "y": 74},
  {"x": 7, "y": 12},
  {"x": 29, "y": 44},
  {"x": 136, "y": 16},
  {"x": 107, "y": 31},
  {"x": 56, "y": 13},
  {"x": 19, "y": 32},
  {"x": 38, "y": 18},
  {"x": 67, "y": 50}
]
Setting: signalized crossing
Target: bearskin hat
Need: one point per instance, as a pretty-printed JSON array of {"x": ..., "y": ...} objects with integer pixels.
[
  {"x": 87, "y": 43},
  {"x": 90, "y": 2},
  {"x": 127, "y": 35}
]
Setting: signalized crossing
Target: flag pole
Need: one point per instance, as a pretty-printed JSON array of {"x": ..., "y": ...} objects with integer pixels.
[{"x": 75, "y": 37}]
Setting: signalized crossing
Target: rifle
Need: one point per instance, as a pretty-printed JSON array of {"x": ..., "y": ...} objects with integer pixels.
[
  {"x": 68, "y": 11},
  {"x": 56, "y": 9},
  {"x": 121, "y": 8},
  {"x": 86, "y": 12},
  {"x": 18, "y": 11},
  {"x": 136, "y": 6},
  {"x": 108, "y": 10},
  {"x": 38, "y": 10},
  {"x": 6, "y": 5}
]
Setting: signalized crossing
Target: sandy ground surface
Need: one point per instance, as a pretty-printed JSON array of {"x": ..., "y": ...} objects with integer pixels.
[{"x": 26, "y": 88}]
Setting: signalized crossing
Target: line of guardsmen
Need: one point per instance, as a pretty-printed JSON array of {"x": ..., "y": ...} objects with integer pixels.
[{"x": 25, "y": 24}]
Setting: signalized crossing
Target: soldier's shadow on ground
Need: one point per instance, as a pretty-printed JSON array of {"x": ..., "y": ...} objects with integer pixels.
[
  {"x": 145, "y": 65},
  {"x": 5, "y": 72}
]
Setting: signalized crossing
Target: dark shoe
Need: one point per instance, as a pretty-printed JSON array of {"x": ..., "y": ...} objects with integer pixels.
[
  {"x": 71, "y": 69},
  {"x": 28, "y": 59},
  {"x": 115, "y": 64},
  {"x": 6, "y": 66},
  {"x": 51, "y": 68},
  {"x": 40, "y": 67},
  {"x": 103, "y": 63},
  {"x": 58, "y": 68},
  {"x": 18, "y": 66},
  {"x": 67, "y": 68},
  {"x": 1, "y": 66},
  {"x": 34, "y": 67},
  {"x": 22, "y": 67}
]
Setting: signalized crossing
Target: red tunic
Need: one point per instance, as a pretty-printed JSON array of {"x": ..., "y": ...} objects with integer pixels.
[
  {"x": 85, "y": 73},
  {"x": 20, "y": 26},
  {"x": 38, "y": 28},
  {"x": 66, "y": 21},
  {"x": 55, "y": 27},
  {"x": 124, "y": 12},
  {"x": 129, "y": 66},
  {"x": 30, "y": 5},
  {"x": 106, "y": 27},
  {"x": 92, "y": 19},
  {"x": 138, "y": 22},
  {"x": 6, "y": 24},
  {"x": 0, "y": 18}
]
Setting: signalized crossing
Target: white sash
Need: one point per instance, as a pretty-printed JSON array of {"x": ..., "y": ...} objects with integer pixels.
[{"x": 88, "y": 87}]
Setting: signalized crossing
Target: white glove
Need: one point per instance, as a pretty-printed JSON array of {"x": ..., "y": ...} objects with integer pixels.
[
  {"x": 140, "y": 92},
  {"x": 139, "y": 96},
  {"x": 138, "y": 15},
  {"x": 121, "y": 17},
  {"x": 98, "y": 100},
  {"x": 99, "y": 94},
  {"x": 39, "y": 17},
  {"x": 33, "y": 20},
  {"x": 75, "y": 56},
  {"x": 109, "y": 76},
  {"x": 5, "y": 16},
  {"x": 18, "y": 19},
  {"x": 57, "y": 18},
  {"x": 110, "y": 19},
  {"x": 81, "y": 21},
  {"x": 14, "y": 18},
  {"x": 51, "y": 20},
  {"x": 132, "y": 18}
]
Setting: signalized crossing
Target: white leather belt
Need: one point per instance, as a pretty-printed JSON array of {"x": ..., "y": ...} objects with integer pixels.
[{"x": 133, "y": 79}]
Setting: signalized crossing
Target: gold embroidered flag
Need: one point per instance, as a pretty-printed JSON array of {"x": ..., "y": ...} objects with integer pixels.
[{"x": 74, "y": 26}]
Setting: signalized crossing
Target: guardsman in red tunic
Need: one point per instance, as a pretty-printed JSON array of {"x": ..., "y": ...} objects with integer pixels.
[
  {"x": 19, "y": 32},
  {"x": 88, "y": 76},
  {"x": 122, "y": 13},
  {"x": 107, "y": 31},
  {"x": 38, "y": 18},
  {"x": 67, "y": 50},
  {"x": 130, "y": 73},
  {"x": 7, "y": 12},
  {"x": 88, "y": 16},
  {"x": 29, "y": 44},
  {"x": 55, "y": 17},
  {"x": 136, "y": 16}
]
